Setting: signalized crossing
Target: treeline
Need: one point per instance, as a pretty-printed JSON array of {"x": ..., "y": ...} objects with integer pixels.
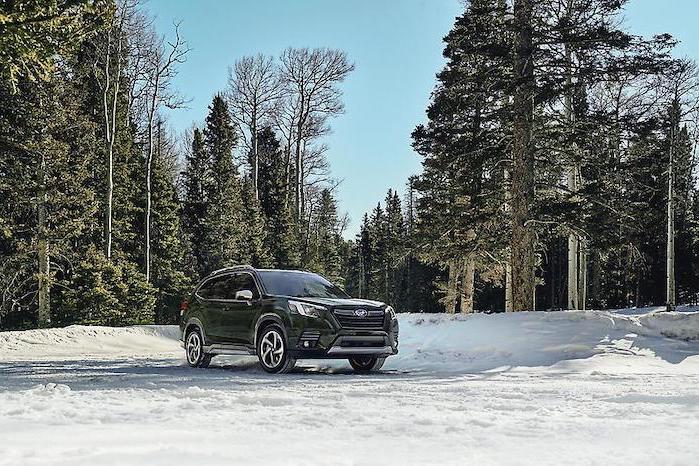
[
  {"x": 558, "y": 165},
  {"x": 558, "y": 169},
  {"x": 109, "y": 218}
]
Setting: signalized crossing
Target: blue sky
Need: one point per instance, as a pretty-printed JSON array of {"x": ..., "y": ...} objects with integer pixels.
[{"x": 396, "y": 45}]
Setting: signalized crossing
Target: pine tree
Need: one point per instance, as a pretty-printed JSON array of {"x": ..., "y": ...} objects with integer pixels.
[
  {"x": 460, "y": 207},
  {"x": 395, "y": 245},
  {"x": 255, "y": 234},
  {"x": 365, "y": 258},
  {"x": 168, "y": 275},
  {"x": 33, "y": 33},
  {"x": 327, "y": 240},
  {"x": 45, "y": 158},
  {"x": 224, "y": 221},
  {"x": 195, "y": 179},
  {"x": 108, "y": 292},
  {"x": 282, "y": 230}
]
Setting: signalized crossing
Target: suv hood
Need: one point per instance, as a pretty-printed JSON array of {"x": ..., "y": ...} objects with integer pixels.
[{"x": 341, "y": 303}]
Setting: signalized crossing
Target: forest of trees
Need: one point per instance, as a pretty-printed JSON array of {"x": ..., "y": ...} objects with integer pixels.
[
  {"x": 107, "y": 217},
  {"x": 558, "y": 168}
]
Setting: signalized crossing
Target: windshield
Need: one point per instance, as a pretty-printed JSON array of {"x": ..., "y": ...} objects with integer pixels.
[{"x": 299, "y": 285}]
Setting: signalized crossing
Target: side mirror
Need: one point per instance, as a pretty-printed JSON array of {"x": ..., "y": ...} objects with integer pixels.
[{"x": 244, "y": 295}]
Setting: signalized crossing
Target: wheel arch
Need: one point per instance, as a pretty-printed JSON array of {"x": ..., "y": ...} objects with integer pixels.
[
  {"x": 194, "y": 323},
  {"x": 265, "y": 320}
]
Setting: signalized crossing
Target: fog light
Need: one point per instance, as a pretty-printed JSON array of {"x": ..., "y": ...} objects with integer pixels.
[{"x": 306, "y": 344}]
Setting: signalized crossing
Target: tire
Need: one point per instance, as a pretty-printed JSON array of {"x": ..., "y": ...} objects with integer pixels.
[
  {"x": 366, "y": 363},
  {"x": 194, "y": 349},
  {"x": 272, "y": 350}
]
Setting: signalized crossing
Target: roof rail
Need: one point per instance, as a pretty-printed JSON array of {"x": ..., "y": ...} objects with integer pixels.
[{"x": 232, "y": 268}]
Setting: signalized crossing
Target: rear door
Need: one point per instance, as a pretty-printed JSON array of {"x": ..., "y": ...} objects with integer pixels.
[{"x": 215, "y": 295}]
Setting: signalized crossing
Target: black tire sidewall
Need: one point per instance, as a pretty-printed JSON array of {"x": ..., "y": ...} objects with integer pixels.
[{"x": 374, "y": 363}]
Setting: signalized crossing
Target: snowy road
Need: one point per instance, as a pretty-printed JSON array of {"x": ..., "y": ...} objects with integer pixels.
[{"x": 463, "y": 391}]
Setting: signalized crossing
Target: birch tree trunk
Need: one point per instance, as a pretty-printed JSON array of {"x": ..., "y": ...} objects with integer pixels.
[
  {"x": 110, "y": 152},
  {"x": 255, "y": 157},
  {"x": 287, "y": 174},
  {"x": 573, "y": 265},
  {"x": 522, "y": 241},
  {"x": 298, "y": 161},
  {"x": 508, "y": 264},
  {"x": 572, "y": 184},
  {"x": 508, "y": 284},
  {"x": 452, "y": 287},
  {"x": 44, "y": 277},
  {"x": 149, "y": 169},
  {"x": 110, "y": 113},
  {"x": 670, "y": 266},
  {"x": 582, "y": 274}
]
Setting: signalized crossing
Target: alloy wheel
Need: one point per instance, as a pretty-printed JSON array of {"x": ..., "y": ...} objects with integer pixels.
[
  {"x": 272, "y": 349},
  {"x": 194, "y": 348}
]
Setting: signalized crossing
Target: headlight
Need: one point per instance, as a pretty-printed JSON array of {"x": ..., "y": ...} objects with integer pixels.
[
  {"x": 305, "y": 309},
  {"x": 391, "y": 312}
]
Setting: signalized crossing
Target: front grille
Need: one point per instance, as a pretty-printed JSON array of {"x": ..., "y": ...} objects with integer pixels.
[{"x": 349, "y": 320}]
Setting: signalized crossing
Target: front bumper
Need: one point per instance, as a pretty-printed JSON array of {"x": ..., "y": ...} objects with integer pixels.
[{"x": 326, "y": 343}]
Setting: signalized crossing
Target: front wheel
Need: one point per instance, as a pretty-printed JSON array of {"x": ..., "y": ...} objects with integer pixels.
[
  {"x": 194, "y": 349},
  {"x": 272, "y": 351},
  {"x": 366, "y": 363}
]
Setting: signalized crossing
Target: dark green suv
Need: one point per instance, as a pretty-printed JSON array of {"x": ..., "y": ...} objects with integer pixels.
[{"x": 282, "y": 316}]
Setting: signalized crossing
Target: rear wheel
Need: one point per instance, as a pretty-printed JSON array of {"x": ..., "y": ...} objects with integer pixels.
[
  {"x": 272, "y": 351},
  {"x": 366, "y": 363},
  {"x": 194, "y": 349}
]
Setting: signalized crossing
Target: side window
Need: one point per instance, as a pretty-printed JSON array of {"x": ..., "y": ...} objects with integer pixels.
[
  {"x": 244, "y": 281},
  {"x": 218, "y": 288}
]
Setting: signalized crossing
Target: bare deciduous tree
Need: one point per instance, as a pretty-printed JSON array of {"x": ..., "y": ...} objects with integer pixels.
[
  {"x": 108, "y": 67},
  {"x": 160, "y": 71},
  {"x": 254, "y": 86},
  {"x": 681, "y": 85},
  {"x": 311, "y": 78}
]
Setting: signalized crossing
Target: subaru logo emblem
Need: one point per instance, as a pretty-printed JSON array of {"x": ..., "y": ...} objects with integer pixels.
[{"x": 361, "y": 313}]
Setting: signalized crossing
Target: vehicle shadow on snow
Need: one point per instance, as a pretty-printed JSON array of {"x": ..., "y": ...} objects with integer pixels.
[{"x": 152, "y": 373}]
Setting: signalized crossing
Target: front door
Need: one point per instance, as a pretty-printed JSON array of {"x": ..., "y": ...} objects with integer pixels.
[{"x": 241, "y": 314}]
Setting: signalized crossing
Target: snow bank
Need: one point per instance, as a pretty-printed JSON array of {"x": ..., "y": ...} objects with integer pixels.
[
  {"x": 560, "y": 388},
  {"x": 479, "y": 342},
  {"x": 428, "y": 342},
  {"x": 78, "y": 342}
]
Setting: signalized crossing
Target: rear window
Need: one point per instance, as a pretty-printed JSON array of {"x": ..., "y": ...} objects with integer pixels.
[
  {"x": 218, "y": 288},
  {"x": 226, "y": 286},
  {"x": 299, "y": 285}
]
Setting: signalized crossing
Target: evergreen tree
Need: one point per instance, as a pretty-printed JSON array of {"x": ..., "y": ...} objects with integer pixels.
[
  {"x": 224, "y": 225},
  {"x": 105, "y": 292},
  {"x": 33, "y": 33},
  {"x": 45, "y": 160},
  {"x": 168, "y": 275},
  {"x": 195, "y": 179},
  {"x": 460, "y": 208},
  {"x": 282, "y": 230},
  {"x": 365, "y": 253},
  {"x": 255, "y": 234},
  {"x": 327, "y": 240}
]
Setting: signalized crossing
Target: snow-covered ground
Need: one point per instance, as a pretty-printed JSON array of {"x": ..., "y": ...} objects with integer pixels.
[{"x": 580, "y": 387}]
